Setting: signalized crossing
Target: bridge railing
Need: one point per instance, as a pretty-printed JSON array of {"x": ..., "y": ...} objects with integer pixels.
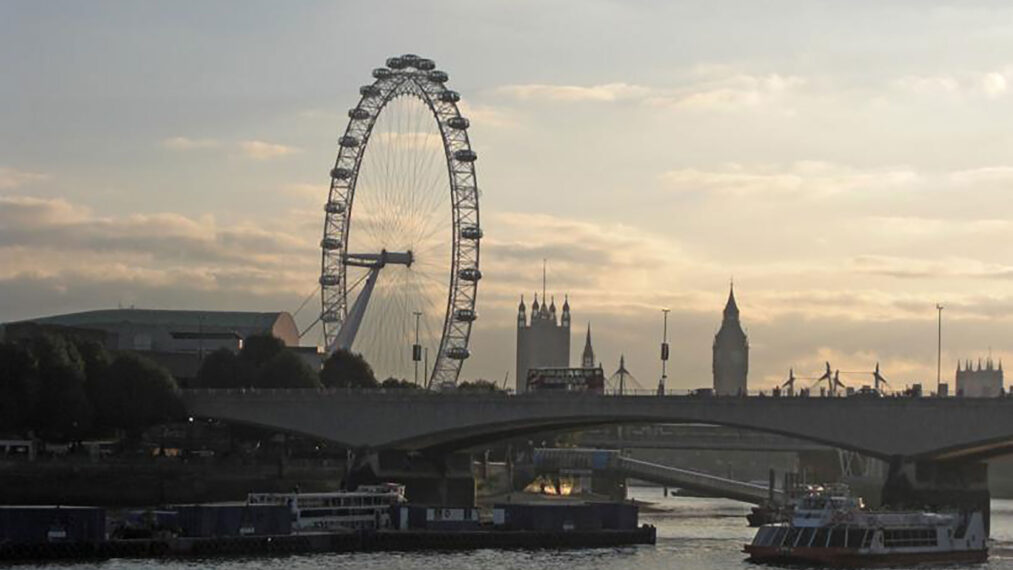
[{"x": 417, "y": 393}]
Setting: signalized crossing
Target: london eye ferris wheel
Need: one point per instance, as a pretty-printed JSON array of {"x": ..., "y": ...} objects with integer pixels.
[{"x": 400, "y": 249}]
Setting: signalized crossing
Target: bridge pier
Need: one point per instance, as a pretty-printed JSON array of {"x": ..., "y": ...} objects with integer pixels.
[{"x": 938, "y": 485}]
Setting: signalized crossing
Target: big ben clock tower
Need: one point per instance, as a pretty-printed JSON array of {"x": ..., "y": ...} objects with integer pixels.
[{"x": 731, "y": 353}]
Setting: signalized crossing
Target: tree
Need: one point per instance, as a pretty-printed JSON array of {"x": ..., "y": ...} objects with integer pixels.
[
  {"x": 63, "y": 410},
  {"x": 223, "y": 369},
  {"x": 344, "y": 369},
  {"x": 479, "y": 386},
  {"x": 96, "y": 360},
  {"x": 19, "y": 386},
  {"x": 259, "y": 348},
  {"x": 396, "y": 384},
  {"x": 287, "y": 370},
  {"x": 136, "y": 394}
]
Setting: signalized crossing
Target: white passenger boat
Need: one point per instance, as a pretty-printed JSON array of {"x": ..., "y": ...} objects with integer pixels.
[
  {"x": 831, "y": 528},
  {"x": 367, "y": 507}
]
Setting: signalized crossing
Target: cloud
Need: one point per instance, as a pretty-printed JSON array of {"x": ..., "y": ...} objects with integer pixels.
[
  {"x": 316, "y": 193},
  {"x": 993, "y": 84},
  {"x": 261, "y": 150},
  {"x": 608, "y": 92},
  {"x": 984, "y": 175},
  {"x": 487, "y": 116},
  {"x": 961, "y": 86},
  {"x": 730, "y": 93},
  {"x": 184, "y": 143},
  {"x": 255, "y": 149},
  {"x": 56, "y": 238},
  {"x": 802, "y": 178},
  {"x": 14, "y": 178},
  {"x": 916, "y": 268},
  {"x": 929, "y": 84}
]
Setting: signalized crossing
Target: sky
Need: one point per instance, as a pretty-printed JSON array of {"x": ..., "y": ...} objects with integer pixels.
[{"x": 848, "y": 164}]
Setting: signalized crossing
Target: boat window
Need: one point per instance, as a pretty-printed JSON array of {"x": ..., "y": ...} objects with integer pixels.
[
  {"x": 779, "y": 535},
  {"x": 907, "y": 537},
  {"x": 867, "y": 541},
  {"x": 791, "y": 537},
  {"x": 822, "y": 534},
  {"x": 763, "y": 536},
  {"x": 837, "y": 537},
  {"x": 806, "y": 536},
  {"x": 855, "y": 536}
]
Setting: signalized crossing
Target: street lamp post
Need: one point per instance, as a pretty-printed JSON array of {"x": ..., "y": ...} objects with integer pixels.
[
  {"x": 939, "y": 350},
  {"x": 417, "y": 348},
  {"x": 664, "y": 354}
]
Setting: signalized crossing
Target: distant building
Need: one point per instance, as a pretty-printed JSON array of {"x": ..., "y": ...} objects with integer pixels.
[
  {"x": 177, "y": 340},
  {"x": 542, "y": 342},
  {"x": 566, "y": 379},
  {"x": 731, "y": 353},
  {"x": 981, "y": 382}
]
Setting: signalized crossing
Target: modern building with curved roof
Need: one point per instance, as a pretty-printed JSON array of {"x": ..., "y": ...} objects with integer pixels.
[{"x": 179, "y": 339}]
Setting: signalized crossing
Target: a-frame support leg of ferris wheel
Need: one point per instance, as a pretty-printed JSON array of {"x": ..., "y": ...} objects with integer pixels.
[{"x": 375, "y": 262}]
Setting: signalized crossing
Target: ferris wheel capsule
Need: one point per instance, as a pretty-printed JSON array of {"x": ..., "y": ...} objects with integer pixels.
[
  {"x": 425, "y": 64},
  {"x": 334, "y": 207},
  {"x": 459, "y": 123},
  {"x": 465, "y": 315},
  {"x": 410, "y": 59},
  {"x": 465, "y": 155},
  {"x": 471, "y": 232},
  {"x": 449, "y": 96},
  {"x": 329, "y": 280},
  {"x": 437, "y": 76},
  {"x": 470, "y": 274},
  {"x": 359, "y": 113},
  {"x": 330, "y": 243},
  {"x": 458, "y": 353},
  {"x": 369, "y": 91},
  {"x": 382, "y": 73},
  {"x": 348, "y": 141},
  {"x": 341, "y": 173}
]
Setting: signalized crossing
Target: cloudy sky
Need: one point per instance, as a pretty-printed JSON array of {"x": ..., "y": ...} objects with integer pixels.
[{"x": 849, "y": 163}]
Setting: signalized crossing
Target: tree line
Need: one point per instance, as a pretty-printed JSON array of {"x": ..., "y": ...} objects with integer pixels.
[
  {"x": 264, "y": 362},
  {"x": 66, "y": 389}
]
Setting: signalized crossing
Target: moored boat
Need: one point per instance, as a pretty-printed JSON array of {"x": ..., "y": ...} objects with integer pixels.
[
  {"x": 831, "y": 528},
  {"x": 367, "y": 507}
]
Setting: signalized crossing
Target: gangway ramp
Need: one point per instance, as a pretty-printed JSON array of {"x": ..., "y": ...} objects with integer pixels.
[{"x": 613, "y": 462}]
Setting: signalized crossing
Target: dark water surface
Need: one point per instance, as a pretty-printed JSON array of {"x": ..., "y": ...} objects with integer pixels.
[{"x": 692, "y": 533}]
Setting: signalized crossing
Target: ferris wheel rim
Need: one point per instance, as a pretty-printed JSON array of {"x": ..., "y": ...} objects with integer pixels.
[{"x": 415, "y": 77}]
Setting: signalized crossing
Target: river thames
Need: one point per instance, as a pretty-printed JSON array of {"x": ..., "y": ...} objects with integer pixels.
[{"x": 692, "y": 533}]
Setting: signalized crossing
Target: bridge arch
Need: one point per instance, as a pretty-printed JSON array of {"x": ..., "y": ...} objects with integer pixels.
[{"x": 886, "y": 428}]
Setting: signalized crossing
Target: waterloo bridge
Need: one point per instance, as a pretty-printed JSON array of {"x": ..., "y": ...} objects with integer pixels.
[{"x": 910, "y": 429}]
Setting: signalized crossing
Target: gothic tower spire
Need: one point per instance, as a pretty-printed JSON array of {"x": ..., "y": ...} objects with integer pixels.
[{"x": 587, "y": 359}]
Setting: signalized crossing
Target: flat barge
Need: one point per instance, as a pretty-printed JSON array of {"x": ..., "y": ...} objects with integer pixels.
[{"x": 359, "y": 541}]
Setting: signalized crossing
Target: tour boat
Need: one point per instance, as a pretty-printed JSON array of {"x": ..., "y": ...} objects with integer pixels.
[
  {"x": 367, "y": 507},
  {"x": 832, "y": 528}
]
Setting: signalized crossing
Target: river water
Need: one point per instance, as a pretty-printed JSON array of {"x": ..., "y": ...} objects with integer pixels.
[{"x": 692, "y": 533}]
